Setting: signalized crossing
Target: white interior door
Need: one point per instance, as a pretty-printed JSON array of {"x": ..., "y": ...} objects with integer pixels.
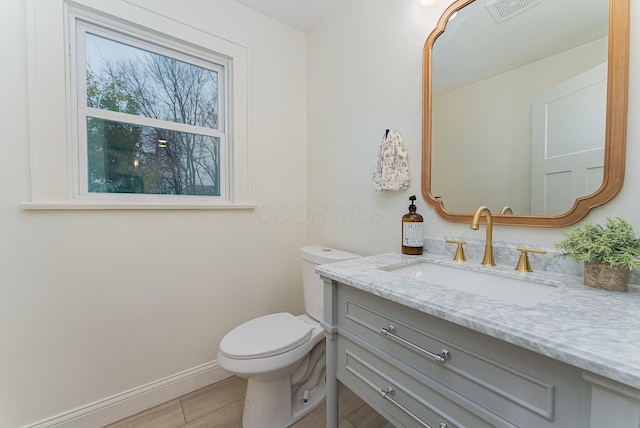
[{"x": 567, "y": 146}]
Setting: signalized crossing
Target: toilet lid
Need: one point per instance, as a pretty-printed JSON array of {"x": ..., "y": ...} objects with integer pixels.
[{"x": 265, "y": 336}]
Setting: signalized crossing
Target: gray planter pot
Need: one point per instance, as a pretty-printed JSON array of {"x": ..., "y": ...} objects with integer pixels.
[{"x": 605, "y": 276}]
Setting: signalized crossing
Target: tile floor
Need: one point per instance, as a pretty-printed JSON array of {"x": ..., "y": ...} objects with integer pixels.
[{"x": 220, "y": 406}]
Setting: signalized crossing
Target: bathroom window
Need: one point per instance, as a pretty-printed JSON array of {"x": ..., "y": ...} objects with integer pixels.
[
  {"x": 150, "y": 119},
  {"x": 131, "y": 109}
]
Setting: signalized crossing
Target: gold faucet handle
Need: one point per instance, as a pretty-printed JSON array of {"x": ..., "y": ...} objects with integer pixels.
[
  {"x": 459, "y": 256},
  {"x": 523, "y": 262}
]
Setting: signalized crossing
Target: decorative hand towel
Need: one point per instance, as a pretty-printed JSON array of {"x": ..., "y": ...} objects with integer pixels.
[{"x": 392, "y": 168}]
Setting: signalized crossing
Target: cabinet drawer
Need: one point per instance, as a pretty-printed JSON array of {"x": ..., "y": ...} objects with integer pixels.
[
  {"x": 509, "y": 381},
  {"x": 405, "y": 400}
]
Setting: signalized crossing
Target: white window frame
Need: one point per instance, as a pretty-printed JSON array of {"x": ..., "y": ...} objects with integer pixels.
[
  {"x": 58, "y": 155},
  {"x": 80, "y": 27}
]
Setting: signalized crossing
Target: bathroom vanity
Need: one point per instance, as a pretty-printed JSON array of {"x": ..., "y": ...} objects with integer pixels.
[{"x": 425, "y": 353}]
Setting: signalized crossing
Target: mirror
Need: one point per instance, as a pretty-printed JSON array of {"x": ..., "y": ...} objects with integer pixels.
[{"x": 531, "y": 121}]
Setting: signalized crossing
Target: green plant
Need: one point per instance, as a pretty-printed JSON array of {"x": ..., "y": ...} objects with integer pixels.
[{"x": 616, "y": 244}]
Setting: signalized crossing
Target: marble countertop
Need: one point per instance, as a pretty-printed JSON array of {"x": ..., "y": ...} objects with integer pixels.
[{"x": 595, "y": 330}]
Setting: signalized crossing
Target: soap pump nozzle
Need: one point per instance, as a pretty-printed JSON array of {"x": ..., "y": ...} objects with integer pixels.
[{"x": 412, "y": 206}]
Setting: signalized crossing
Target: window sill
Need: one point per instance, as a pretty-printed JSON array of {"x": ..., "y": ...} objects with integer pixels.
[{"x": 111, "y": 205}]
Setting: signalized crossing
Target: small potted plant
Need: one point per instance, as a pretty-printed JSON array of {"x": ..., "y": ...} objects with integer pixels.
[{"x": 608, "y": 252}]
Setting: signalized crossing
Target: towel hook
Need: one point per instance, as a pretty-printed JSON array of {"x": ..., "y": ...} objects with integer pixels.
[{"x": 386, "y": 133}]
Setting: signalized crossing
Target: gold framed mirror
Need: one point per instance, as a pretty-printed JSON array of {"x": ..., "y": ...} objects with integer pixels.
[{"x": 447, "y": 158}]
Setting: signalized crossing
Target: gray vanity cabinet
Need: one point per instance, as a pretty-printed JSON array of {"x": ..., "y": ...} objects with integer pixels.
[{"x": 418, "y": 370}]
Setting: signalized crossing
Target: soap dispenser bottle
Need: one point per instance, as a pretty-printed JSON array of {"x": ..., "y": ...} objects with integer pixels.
[{"x": 412, "y": 231}]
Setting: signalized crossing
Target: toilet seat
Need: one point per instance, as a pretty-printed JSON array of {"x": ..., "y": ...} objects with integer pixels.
[{"x": 265, "y": 336}]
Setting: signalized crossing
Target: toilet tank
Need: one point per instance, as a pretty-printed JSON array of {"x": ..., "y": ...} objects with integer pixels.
[{"x": 312, "y": 256}]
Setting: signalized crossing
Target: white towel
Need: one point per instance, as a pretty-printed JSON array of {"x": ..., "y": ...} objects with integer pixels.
[{"x": 392, "y": 167}]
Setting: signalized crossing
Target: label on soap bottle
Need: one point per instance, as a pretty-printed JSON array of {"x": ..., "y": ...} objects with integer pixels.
[{"x": 412, "y": 235}]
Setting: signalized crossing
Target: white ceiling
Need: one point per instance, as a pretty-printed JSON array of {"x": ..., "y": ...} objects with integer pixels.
[
  {"x": 547, "y": 28},
  {"x": 300, "y": 14}
]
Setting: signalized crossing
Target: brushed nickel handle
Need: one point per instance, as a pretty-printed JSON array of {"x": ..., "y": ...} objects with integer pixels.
[
  {"x": 441, "y": 358},
  {"x": 388, "y": 394}
]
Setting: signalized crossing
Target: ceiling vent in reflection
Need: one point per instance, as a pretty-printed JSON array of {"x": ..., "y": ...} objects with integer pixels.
[{"x": 501, "y": 10}]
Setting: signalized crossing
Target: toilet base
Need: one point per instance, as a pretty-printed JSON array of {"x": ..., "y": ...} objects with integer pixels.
[
  {"x": 282, "y": 388},
  {"x": 268, "y": 404}
]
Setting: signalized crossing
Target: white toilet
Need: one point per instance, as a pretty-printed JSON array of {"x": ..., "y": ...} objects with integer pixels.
[{"x": 282, "y": 355}]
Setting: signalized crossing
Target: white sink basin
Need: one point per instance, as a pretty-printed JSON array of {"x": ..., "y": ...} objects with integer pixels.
[{"x": 506, "y": 289}]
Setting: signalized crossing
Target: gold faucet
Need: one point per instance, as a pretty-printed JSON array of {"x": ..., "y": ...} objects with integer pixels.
[
  {"x": 488, "y": 247},
  {"x": 506, "y": 210}
]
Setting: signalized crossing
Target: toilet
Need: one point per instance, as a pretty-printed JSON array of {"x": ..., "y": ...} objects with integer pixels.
[{"x": 282, "y": 355}]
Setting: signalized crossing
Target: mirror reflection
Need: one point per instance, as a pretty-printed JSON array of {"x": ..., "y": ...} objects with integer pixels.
[{"x": 519, "y": 105}]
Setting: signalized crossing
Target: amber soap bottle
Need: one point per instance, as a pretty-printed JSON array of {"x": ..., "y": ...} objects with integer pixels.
[{"x": 412, "y": 231}]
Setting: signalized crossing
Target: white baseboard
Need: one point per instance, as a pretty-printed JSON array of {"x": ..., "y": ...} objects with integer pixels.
[{"x": 120, "y": 406}]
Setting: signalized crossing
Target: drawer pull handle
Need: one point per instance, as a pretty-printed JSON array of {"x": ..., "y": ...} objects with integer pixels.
[
  {"x": 388, "y": 394},
  {"x": 441, "y": 358}
]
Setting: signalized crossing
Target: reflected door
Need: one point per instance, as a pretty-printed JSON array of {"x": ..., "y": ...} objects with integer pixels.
[{"x": 568, "y": 131}]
